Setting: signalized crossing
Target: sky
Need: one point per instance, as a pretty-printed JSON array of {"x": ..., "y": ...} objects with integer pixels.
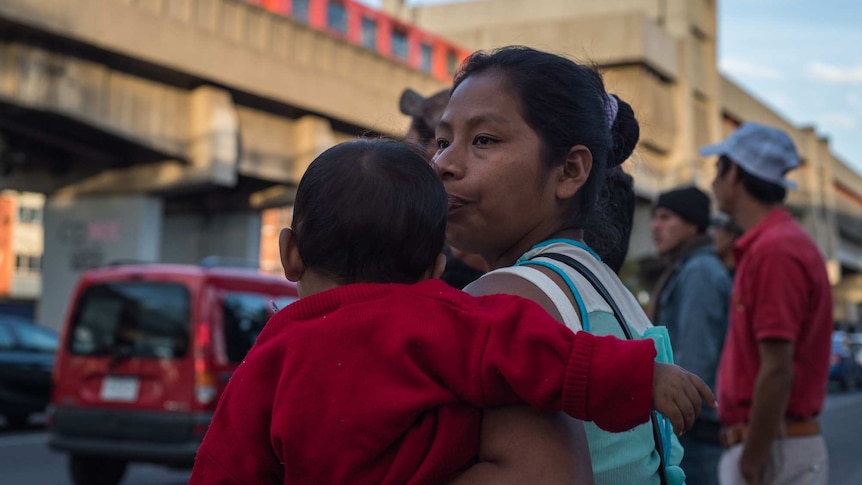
[{"x": 801, "y": 58}]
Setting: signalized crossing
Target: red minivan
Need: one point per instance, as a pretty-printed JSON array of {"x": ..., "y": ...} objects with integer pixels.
[{"x": 145, "y": 353}]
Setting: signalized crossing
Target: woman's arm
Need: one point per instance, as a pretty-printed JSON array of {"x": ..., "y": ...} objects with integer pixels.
[{"x": 517, "y": 444}]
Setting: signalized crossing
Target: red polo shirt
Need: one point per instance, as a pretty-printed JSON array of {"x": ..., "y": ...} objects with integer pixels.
[{"x": 782, "y": 292}]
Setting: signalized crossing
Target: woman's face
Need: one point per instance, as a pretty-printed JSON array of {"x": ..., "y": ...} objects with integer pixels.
[{"x": 500, "y": 201}]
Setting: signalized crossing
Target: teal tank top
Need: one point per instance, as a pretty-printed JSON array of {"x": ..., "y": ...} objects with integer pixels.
[{"x": 618, "y": 458}]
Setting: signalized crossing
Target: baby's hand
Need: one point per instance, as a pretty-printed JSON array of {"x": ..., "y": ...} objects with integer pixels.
[{"x": 677, "y": 394}]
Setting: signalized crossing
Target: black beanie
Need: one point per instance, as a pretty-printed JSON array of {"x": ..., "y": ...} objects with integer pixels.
[{"x": 689, "y": 203}]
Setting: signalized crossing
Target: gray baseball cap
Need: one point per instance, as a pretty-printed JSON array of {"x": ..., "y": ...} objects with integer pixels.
[{"x": 763, "y": 151}]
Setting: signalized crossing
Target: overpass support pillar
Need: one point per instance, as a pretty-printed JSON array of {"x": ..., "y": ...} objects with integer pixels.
[
  {"x": 85, "y": 232},
  {"x": 190, "y": 237}
]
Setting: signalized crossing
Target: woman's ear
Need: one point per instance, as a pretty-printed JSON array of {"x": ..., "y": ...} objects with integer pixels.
[
  {"x": 573, "y": 174},
  {"x": 289, "y": 252}
]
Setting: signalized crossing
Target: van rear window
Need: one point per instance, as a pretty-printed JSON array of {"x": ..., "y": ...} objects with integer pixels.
[{"x": 132, "y": 319}]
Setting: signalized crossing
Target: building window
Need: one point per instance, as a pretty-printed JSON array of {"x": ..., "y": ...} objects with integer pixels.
[
  {"x": 451, "y": 63},
  {"x": 399, "y": 44},
  {"x": 300, "y": 10},
  {"x": 30, "y": 215},
  {"x": 369, "y": 33},
  {"x": 28, "y": 264},
  {"x": 336, "y": 17},
  {"x": 425, "y": 54}
]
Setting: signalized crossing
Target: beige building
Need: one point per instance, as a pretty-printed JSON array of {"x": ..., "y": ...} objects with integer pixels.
[
  {"x": 21, "y": 247},
  {"x": 660, "y": 55}
]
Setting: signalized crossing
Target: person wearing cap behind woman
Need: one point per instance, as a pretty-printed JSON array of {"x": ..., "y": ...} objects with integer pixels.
[
  {"x": 424, "y": 114},
  {"x": 773, "y": 371},
  {"x": 691, "y": 299},
  {"x": 462, "y": 268}
]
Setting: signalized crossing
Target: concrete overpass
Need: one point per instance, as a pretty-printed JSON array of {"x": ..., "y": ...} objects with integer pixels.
[{"x": 159, "y": 129}]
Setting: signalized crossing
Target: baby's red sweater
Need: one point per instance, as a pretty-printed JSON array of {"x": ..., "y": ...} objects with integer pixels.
[{"x": 383, "y": 384}]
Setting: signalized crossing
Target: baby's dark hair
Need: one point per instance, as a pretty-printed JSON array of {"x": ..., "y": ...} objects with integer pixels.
[
  {"x": 370, "y": 211},
  {"x": 567, "y": 105}
]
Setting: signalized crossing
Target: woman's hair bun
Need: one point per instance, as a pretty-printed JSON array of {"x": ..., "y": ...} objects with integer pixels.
[{"x": 625, "y": 132}]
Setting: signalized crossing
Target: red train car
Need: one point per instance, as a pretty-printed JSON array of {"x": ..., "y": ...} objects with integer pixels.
[{"x": 364, "y": 26}]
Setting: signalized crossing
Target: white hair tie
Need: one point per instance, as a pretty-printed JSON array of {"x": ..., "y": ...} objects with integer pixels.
[{"x": 612, "y": 107}]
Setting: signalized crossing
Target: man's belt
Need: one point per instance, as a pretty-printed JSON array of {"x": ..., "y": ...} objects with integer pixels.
[{"x": 732, "y": 435}]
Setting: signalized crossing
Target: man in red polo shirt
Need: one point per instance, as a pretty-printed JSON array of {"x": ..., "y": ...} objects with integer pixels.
[{"x": 773, "y": 371}]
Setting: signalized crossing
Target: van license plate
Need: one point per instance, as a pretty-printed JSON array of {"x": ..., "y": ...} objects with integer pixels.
[{"x": 124, "y": 389}]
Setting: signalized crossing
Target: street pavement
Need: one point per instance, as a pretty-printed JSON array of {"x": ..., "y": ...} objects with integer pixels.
[{"x": 26, "y": 460}]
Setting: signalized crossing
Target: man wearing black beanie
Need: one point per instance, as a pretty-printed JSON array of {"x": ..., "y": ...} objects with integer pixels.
[
  {"x": 691, "y": 300},
  {"x": 689, "y": 203}
]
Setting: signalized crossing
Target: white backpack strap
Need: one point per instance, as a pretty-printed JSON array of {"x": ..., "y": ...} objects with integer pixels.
[{"x": 551, "y": 289}]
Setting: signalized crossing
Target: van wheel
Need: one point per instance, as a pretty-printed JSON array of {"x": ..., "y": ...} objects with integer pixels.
[{"x": 95, "y": 470}]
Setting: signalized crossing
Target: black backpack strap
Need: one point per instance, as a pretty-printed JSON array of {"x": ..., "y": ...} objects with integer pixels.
[{"x": 600, "y": 288}]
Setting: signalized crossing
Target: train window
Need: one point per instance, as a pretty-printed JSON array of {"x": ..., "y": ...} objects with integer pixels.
[
  {"x": 400, "y": 48},
  {"x": 300, "y": 10},
  {"x": 451, "y": 63},
  {"x": 425, "y": 53},
  {"x": 369, "y": 33},
  {"x": 336, "y": 17}
]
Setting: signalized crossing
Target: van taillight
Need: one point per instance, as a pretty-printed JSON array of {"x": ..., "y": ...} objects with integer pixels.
[{"x": 205, "y": 381}]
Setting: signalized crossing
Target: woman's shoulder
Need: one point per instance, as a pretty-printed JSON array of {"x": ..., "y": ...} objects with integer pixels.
[
  {"x": 511, "y": 281},
  {"x": 595, "y": 302},
  {"x": 579, "y": 252}
]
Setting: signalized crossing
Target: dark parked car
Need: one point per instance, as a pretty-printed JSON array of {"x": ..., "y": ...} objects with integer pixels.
[{"x": 26, "y": 361}]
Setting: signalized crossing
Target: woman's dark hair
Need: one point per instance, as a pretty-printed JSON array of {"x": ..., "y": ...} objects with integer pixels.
[
  {"x": 370, "y": 211},
  {"x": 765, "y": 192},
  {"x": 626, "y": 132},
  {"x": 566, "y": 104}
]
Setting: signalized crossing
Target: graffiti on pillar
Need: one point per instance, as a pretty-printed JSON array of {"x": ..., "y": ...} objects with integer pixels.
[
  {"x": 73, "y": 232},
  {"x": 88, "y": 239}
]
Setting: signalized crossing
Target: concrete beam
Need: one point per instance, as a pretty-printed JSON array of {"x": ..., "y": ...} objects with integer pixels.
[
  {"x": 123, "y": 106},
  {"x": 242, "y": 47}
]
